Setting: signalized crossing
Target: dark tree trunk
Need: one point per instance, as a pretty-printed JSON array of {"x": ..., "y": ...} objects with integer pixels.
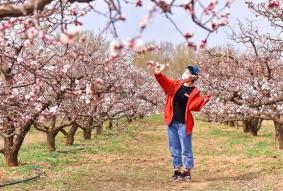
[
  {"x": 231, "y": 123},
  {"x": 245, "y": 127},
  {"x": 11, "y": 157},
  {"x": 70, "y": 137},
  {"x": 87, "y": 130},
  {"x": 252, "y": 125},
  {"x": 87, "y": 133},
  {"x": 51, "y": 137},
  {"x": 129, "y": 120},
  {"x": 278, "y": 135},
  {"x": 110, "y": 124},
  {"x": 13, "y": 143}
]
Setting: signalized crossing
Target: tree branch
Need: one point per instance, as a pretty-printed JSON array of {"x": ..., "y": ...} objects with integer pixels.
[
  {"x": 63, "y": 132},
  {"x": 13, "y": 10}
]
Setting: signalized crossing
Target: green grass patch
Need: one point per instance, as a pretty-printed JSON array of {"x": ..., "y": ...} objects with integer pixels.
[{"x": 135, "y": 156}]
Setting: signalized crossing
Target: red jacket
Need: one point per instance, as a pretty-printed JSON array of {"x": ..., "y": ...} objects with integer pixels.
[{"x": 195, "y": 101}]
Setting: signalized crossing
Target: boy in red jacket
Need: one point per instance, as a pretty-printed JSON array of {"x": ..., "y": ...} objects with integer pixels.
[{"x": 182, "y": 97}]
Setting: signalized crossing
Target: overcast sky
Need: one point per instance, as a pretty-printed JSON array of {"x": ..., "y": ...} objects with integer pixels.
[{"x": 161, "y": 30}]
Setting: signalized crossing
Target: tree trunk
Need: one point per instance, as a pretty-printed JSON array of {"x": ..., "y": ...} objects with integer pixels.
[
  {"x": 231, "y": 123},
  {"x": 245, "y": 127},
  {"x": 110, "y": 124},
  {"x": 10, "y": 155},
  {"x": 87, "y": 133},
  {"x": 278, "y": 135},
  {"x": 13, "y": 143},
  {"x": 87, "y": 130},
  {"x": 130, "y": 120},
  {"x": 237, "y": 124},
  {"x": 252, "y": 125},
  {"x": 11, "y": 158},
  {"x": 51, "y": 147},
  {"x": 99, "y": 129},
  {"x": 71, "y": 135}
]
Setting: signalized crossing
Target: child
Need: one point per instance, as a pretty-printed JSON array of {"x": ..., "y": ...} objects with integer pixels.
[{"x": 182, "y": 97}]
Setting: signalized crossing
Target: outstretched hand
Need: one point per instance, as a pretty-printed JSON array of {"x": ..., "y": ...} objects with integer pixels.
[{"x": 155, "y": 67}]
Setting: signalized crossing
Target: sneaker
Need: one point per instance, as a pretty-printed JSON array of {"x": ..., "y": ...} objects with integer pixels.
[
  {"x": 177, "y": 176},
  {"x": 186, "y": 175}
]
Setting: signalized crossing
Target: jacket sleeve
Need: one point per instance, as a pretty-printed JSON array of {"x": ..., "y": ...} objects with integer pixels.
[
  {"x": 199, "y": 102},
  {"x": 165, "y": 82}
]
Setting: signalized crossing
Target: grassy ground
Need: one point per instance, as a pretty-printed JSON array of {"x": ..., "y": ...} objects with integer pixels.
[{"x": 136, "y": 158}]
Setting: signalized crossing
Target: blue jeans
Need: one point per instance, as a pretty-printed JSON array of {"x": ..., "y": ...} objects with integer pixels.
[{"x": 180, "y": 145}]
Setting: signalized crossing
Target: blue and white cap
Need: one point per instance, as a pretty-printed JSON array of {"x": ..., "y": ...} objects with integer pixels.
[{"x": 194, "y": 70}]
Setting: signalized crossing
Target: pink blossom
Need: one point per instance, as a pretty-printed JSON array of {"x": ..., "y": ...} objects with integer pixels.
[
  {"x": 64, "y": 38},
  {"x": 88, "y": 90},
  {"x": 138, "y": 3},
  {"x": 189, "y": 35},
  {"x": 87, "y": 101},
  {"x": 115, "y": 48},
  {"x": 192, "y": 45},
  {"x": 7, "y": 26},
  {"x": 202, "y": 44},
  {"x": 273, "y": 4},
  {"x": 20, "y": 60},
  {"x": 27, "y": 43},
  {"x": 44, "y": 36},
  {"x": 145, "y": 21},
  {"x": 77, "y": 22},
  {"x": 74, "y": 12},
  {"x": 41, "y": 118},
  {"x": 32, "y": 32},
  {"x": 15, "y": 92},
  {"x": 1, "y": 27},
  {"x": 27, "y": 97},
  {"x": 53, "y": 110},
  {"x": 213, "y": 25},
  {"x": 82, "y": 38},
  {"x": 79, "y": 92},
  {"x": 189, "y": 8},
  {"x": 122, "y": 18},
  {"x": 49, "y": 67},
  {"x": 28, "y": 23},
  {"x": 223, "y": 21},
  {"x": 130, "y": 43},
  {"x": 66, "y": 67},
  {"x": 146, "y": 49},
  {"x": 99, "y": 81},
  {"x": 210, "y": 7},
  {"x": 63, "y": 88}
]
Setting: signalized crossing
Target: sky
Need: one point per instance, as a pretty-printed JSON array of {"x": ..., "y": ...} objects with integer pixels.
[{"x": 160, "y": 28}]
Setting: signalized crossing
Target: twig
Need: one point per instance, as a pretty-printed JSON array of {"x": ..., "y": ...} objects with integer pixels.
[{"x": 40, "y": 173}]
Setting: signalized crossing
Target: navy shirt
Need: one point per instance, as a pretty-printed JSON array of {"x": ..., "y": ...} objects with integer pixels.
[{"x": 180, "y": 102}]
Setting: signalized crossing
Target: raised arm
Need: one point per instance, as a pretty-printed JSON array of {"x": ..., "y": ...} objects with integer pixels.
[{"x": 165, "y": 82}]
